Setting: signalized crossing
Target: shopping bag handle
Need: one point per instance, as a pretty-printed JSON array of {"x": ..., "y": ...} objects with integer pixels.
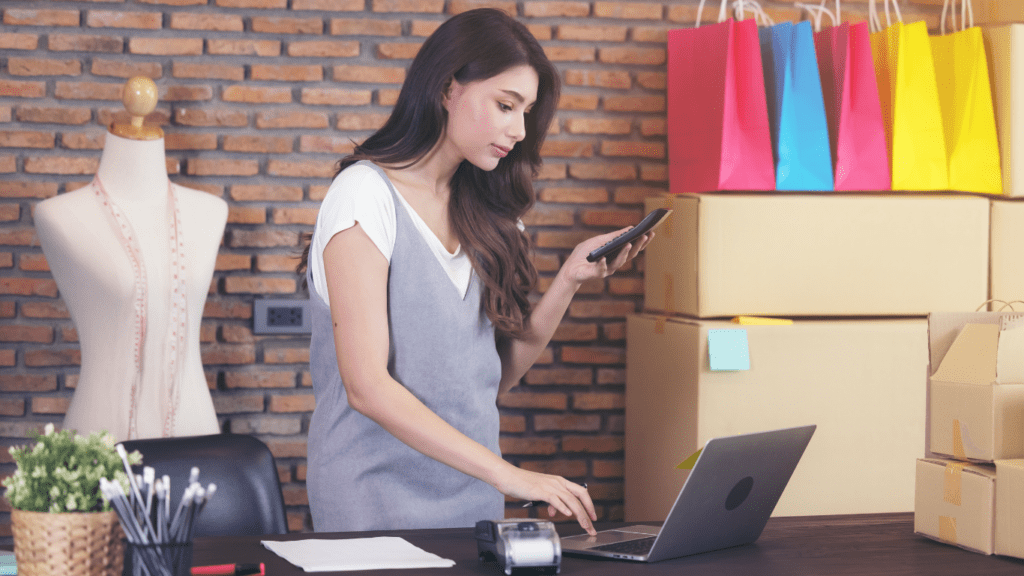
[
  {"x": 816, "y": 13},
  {"x": 737, "y": 5},
  {"x": 1003, "y": 302},
  {"x": 966, "y": 16},
  {"x": 876, "y": 22}
]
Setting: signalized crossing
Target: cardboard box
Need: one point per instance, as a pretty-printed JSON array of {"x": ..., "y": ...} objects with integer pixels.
[
  {"x": 1007, "y": 241},
  {"x": 863, "y": 382},
  {"x": 976, "y": 405},
  {"x": 1010, "y": 508},
  {"x": 955, "y": 503},
  {"x": 724, "y": 255}
]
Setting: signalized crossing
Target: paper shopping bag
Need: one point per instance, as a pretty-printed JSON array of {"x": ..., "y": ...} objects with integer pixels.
[
  {"x": 856, "y": 131},
  {"x": 969, "y": 124},
  {"x": 796, "y": 110},
  {"x": 718, "y": 136},
  {"x": 909, "y": 98},
  {"x": 1004, "y": 46}
]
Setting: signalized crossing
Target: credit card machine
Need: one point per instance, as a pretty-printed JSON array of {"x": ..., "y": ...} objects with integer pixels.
[{"x": 519, "y": 545}]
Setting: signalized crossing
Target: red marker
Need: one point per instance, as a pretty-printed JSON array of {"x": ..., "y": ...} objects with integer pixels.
[{"x": 230, "y": 570}]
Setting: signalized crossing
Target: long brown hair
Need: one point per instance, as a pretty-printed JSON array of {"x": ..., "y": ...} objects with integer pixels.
[{"x": 485, "y": 206}]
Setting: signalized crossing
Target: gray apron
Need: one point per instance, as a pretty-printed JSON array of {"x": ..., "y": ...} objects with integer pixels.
[{"x": 443, "y": 350}]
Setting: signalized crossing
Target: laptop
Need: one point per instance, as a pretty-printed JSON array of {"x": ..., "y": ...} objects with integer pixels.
[{"x": 726, "y": 501}]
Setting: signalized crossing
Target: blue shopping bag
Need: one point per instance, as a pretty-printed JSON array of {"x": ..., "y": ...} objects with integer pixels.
[{"x": 796, "y": 108}]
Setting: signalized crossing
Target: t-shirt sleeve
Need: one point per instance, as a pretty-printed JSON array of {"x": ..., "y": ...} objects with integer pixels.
[{"x": 358, "y": 194}]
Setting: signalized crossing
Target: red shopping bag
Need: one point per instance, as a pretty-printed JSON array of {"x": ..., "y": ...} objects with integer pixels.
[
  {"x": 718, "y": 136},
  {"x": 856, "y": 129}
]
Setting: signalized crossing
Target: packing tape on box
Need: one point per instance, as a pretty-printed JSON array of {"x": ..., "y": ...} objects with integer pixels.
[
  {"x": 958, "y": 442},
  {"x": 951, "y": 482},
  {"x": 947, "y": 529},
  {"x": 670, "y": 294}
]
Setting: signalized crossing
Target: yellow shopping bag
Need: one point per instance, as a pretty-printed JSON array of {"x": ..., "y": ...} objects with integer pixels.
[
  {"x": 965, "y": 97},
  {"x": 909, "y": 97}
]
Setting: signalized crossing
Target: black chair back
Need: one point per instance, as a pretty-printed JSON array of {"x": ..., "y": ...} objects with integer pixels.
[{"x": 248, "y": 499}]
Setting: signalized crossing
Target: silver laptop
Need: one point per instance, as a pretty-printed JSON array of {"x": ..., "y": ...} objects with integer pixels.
[{"x": 726, "y": 501}]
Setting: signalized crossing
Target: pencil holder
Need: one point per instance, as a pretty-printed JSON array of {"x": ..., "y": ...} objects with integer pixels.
[{"x": 171, "y": 559}]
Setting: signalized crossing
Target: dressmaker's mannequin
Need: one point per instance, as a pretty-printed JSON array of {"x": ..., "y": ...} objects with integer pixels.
[{"x": 109, "y": 247}]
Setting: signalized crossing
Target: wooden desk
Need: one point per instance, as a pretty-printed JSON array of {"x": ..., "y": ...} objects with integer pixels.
[{"x": 874, "y": 544}]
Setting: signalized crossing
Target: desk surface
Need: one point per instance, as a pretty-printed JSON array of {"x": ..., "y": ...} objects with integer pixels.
[{"x": 872, "y": 544}]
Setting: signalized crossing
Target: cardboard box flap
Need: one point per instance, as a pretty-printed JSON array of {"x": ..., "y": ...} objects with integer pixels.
[
  {"x": 1010, "y": 355},
  {"x": 976, "y": 469},
  {"x": 944, "y": 327},
  {"x": 972, "y": 357}
]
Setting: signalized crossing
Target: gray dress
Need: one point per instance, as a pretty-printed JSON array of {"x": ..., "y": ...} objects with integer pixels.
[{"x": 443, "y": 350}]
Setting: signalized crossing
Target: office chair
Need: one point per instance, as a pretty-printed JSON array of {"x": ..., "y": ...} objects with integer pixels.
[{"x": 248, "y": 500}]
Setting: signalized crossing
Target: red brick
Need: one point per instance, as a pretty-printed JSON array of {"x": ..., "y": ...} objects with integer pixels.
[
  {"x": 200, "y": 21},
  {"x": 654, "y": 173},
  {"x": 603, "y": 171},
  {"x": 653, "y": 127},
  {"x": 563, "y": 468},
  {"x": 120, "y": 19},
  {"x": 49, "y": 357},
  {"x": 276, "y": 262},
  {"x": 571, "y": 422},
  {"x": 207, "y": 71},
  {"x": 17, "y": 236},
  {"x": 267, "y": 25},
  {"x": 335, "y": 5},
  {"x": 424, "y": 28},
  {"x": 228, "y": 354},
  {"x": 615, "y": 79},
  {"x": 287, "y": 73},
  {"x": 85, "y": 43},
  {"x": 592, "y": 355},
  {"x": 611, "y": 376},
  {"x": 235, "y": 334},
  {"x": 625, "y": 287},
  {"x": 559, "y": 376},
  {"x": 259, "y": 285},
  {"x": 261, "y": 379},
  {"x": 544, "y": 215},
  {"x": 227, "y": 309},
  {"x": 210, "y": 117},
  {"x": 28, "y": 287},
  {"x": 628, "y": 10},
  {"x": 326, "y": 145},
  {"x": 649, "y": 34},
  {"x": 101, "y": 67},
  {"x": 590, "y": 33},
  {"x": 268, "y": 4},
  {"x": 324, "y": 49},
  {"x": 246, "y": 215},
  {"x": 231, "y": 47},
  {"x": 528, "y": 446},
  {"x": 654, "y": 150},
  {"x": 295, "y": 216},
  {"x": 634, "y": 103},
  {"x": 335, "y": 97},
  {"x": 512, "y": 424},
  {"x": 567, "y": 148},
  {"x": 606, "y": 491},
  {"x": 598, "y": 401},
  {"x": 593, "y": 444},
  {"x": 259, "y": 193},
  {"x": 22, "y": 88},
  {"x": 287, "y": 448},
  {"x": 387, "y": 97},
  {"x": 293, "y": 403},
  {"x": 598, "y": 125},
  {"x": 12, "y": 407},
  {"x": 310, "y": 169},
  {"x": 284, "y": 355},
  {"x": 26, "y": 139},
  {"x": 17, "y": 66},
  {"x": 42, "y": 309},
  {"x": 601, "y": 309},
  {"x": 570, "y": 53},
  {"x": 190, "y": 141},
  {"x": 636, "y": 194},
  {"x": 397, "y": 50},
  {"x": 263, "y": 238},
  {"x": 573, "y": 332},
  {"x": 422, "y": 6},
  {"x": 235, "y": 404},
  {"x": 10, "y": 213},
  {"x": 50, "y": 115},
  {"x": 460, "y": 6},
  {"x": 29, "y": 17},
  {"x": 227, "y": 262},
  {"x": 166, "y": 46},
  {"x": 27, "y": 383},
  {"x": 286, "y": 425},
  {"x": 574, "y": 195},
  {"x": 50, "y": 405},
  {"x": 221, "y": 167},
  {"x": 577, "y": 102},
  {"x": 520, "y": 399},
  {"x": 363, "y": 27},
  {"x": 40, "y": 190},
  {"x": 608, "y": 468},
  {"x": 258, "y": 144},
  {"x": 27, "y": 333},
  {"x": 291, "y": 119},
  {"x": 7, "y": 358},
  {"x": 555, "y": 8},
  {"x": 257, "y": 94}
]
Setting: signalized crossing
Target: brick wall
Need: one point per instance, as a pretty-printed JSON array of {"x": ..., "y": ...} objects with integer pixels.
[{"x": 258, "y": 99}]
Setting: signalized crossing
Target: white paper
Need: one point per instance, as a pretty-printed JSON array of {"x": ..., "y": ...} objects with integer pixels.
[{"x": 382, "y": 552}]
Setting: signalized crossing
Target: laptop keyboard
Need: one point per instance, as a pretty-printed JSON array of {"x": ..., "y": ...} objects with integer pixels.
[{"x": 632, "y": 547}]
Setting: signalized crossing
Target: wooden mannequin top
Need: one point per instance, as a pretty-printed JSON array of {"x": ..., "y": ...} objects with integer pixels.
[{"x": 94, "y": 273}]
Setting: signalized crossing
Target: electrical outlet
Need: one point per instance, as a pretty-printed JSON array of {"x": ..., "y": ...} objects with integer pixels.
[{"x": 281, "y": 317}]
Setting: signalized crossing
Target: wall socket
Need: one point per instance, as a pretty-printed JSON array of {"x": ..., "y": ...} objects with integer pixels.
[{"x": 282, "y": 317}]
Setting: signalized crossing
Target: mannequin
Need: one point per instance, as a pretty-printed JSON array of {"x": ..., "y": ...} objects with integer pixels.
[{"x": 114, "y": 248}]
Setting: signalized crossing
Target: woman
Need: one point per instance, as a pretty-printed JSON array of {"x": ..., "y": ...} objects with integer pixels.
[{"x": 420, "y": 278}]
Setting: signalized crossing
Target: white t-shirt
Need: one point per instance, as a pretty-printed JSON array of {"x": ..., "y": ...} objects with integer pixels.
[{"x": 360, "y": 194}]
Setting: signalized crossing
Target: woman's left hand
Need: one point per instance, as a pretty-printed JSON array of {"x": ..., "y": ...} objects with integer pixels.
[{"x": 579, "y": 270}]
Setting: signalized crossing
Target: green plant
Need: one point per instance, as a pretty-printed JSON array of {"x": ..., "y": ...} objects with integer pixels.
[{"x": 62, "y": 471}]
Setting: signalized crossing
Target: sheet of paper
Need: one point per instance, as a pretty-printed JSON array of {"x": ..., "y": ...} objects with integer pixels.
[
  {"x": 728, "y": 349},
  {"x": 380, "y": 553}
]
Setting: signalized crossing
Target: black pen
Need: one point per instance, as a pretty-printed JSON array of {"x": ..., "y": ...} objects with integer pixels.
[{"x": 532, "y": 503}]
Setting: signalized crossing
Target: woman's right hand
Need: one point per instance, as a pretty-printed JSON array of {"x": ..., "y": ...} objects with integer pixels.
[{"x": 561, "y": 495}]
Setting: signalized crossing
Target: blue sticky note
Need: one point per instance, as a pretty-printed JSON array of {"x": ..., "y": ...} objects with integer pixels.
[{"x": 728, "y": 349}]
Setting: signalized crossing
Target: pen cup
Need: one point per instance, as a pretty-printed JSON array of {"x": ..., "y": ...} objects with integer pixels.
[{"x": 171, "y": 559}]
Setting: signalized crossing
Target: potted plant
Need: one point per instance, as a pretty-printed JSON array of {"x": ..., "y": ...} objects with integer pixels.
[{"x": 61, "y": 522}]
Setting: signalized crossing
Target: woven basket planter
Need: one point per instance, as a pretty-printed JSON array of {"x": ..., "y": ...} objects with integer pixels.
[{"x": 81, "y": 543}]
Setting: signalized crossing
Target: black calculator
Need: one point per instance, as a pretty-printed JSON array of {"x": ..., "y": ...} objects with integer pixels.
[{"x": 612, "y": 248}]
